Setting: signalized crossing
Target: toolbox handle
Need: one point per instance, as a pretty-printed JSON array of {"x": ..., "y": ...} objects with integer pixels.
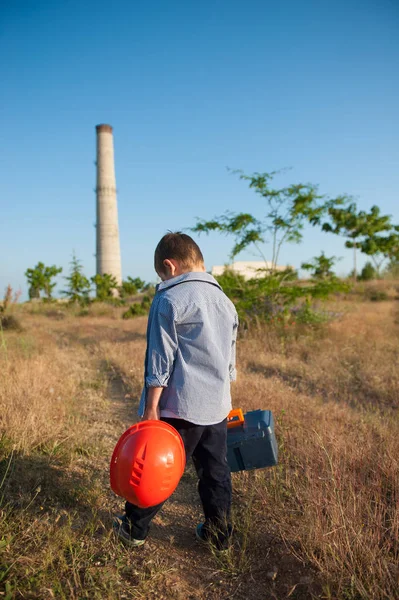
[{"x": 235, "y": 418}]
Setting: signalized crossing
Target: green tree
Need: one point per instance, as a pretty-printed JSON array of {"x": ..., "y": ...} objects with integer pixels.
[
  {"x": 40, "y": 280},
  {"x": 357, "y": 227},
  {"x": 131, "y": 286},
  {"x": 381, "y": 248},
  {"x": 288, "y": 209},
  {"x": 78, "y": 284},
  {"x": 321, "y": 266},
  {"x": 106, "y": 285},
  {"x": 368, "y": 273}
]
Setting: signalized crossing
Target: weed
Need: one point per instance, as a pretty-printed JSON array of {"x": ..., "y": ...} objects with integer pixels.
[{"x": 3, "y": 342}]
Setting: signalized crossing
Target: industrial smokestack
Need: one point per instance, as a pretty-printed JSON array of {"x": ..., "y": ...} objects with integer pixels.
[{"x": 108, "y": 247}]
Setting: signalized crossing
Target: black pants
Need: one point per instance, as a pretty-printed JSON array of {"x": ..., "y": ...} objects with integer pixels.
[{"x": 206, "y": 444}]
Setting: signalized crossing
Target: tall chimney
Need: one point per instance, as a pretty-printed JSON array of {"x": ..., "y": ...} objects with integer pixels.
[{"x": 108, "y": 247}]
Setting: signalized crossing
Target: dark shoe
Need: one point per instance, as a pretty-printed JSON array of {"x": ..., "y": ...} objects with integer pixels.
[
  {"x": 199, "y": 533},
  {"x": 122, "y": 528},
  {"x": 220, "y": 542}
]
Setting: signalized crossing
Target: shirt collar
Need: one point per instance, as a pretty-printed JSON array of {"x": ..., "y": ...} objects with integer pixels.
[{"x": 192, "y": 276}]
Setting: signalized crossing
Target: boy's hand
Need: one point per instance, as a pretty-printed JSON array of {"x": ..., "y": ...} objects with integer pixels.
[{"x": 151, "y": 414}]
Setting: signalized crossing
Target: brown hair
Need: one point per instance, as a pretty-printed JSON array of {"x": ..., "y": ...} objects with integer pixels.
[{"x": 178, "y": 246}]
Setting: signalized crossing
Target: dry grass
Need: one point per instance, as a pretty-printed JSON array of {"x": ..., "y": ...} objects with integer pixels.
[
  {"x": 323, "y": 524},
  {"x": 335, "y": 494}
]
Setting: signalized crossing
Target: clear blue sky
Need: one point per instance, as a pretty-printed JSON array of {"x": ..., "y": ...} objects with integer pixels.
[{"x": 190, "y": 88}]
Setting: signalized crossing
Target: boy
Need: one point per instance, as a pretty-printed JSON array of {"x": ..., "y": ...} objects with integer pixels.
[{"x": 190, "y": 361}]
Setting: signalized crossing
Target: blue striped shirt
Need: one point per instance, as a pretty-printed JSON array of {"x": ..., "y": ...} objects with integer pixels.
[{"x": 191, "y": 337}]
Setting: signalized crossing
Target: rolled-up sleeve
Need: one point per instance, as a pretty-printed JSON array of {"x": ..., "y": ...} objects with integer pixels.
[
  {"x": 162, "y": 346},
  {"x": 232, "y": 365}
]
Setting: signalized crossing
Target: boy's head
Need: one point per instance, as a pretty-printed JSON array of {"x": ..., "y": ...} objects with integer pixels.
[{"x": 175, "y": 254}]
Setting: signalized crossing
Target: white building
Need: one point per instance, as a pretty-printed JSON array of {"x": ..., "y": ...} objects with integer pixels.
[{"x": 248, "y": 268}]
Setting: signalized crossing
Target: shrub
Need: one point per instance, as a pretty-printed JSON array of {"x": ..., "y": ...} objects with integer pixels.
[
  {"x": 135, "y": 310},
  {"x": 308, "y": 315},
  {"x": 9, "y": 322},
  {"x": 275, "y": 298},
  {"x": 106, "y": 286},
  {"x": 376, "y": 295},
  {"x": 138, "y": 309},
  {"x": 130, "y": 287},
  {"x": 321, "y": 266},
  {"x": 368, "y": 272}
]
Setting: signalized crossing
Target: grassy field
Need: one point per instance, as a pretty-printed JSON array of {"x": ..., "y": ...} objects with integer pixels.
[{"x": 323, "y": 524}]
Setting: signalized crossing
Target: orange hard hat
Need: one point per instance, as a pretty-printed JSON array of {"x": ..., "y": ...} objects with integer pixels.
[{"x": 147, "y": 463}]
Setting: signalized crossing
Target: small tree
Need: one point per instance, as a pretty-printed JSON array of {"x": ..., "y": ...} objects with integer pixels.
[
  {"x": 357, "y": 227},
  {"x": 131, "y": 286},
  {"x": 78, "y": 284},
  {"x": 40, "y": 280},
  {"x": 106, "y": 286},
  {"x": 288, "y": 209},
  {"x": 368, "y": 273},
  {"x": 381, "y": 248},
  {"x": 321, "y": 266}
]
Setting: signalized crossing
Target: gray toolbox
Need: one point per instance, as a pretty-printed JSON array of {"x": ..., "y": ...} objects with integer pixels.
[{"x": 251, "y": 441}]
